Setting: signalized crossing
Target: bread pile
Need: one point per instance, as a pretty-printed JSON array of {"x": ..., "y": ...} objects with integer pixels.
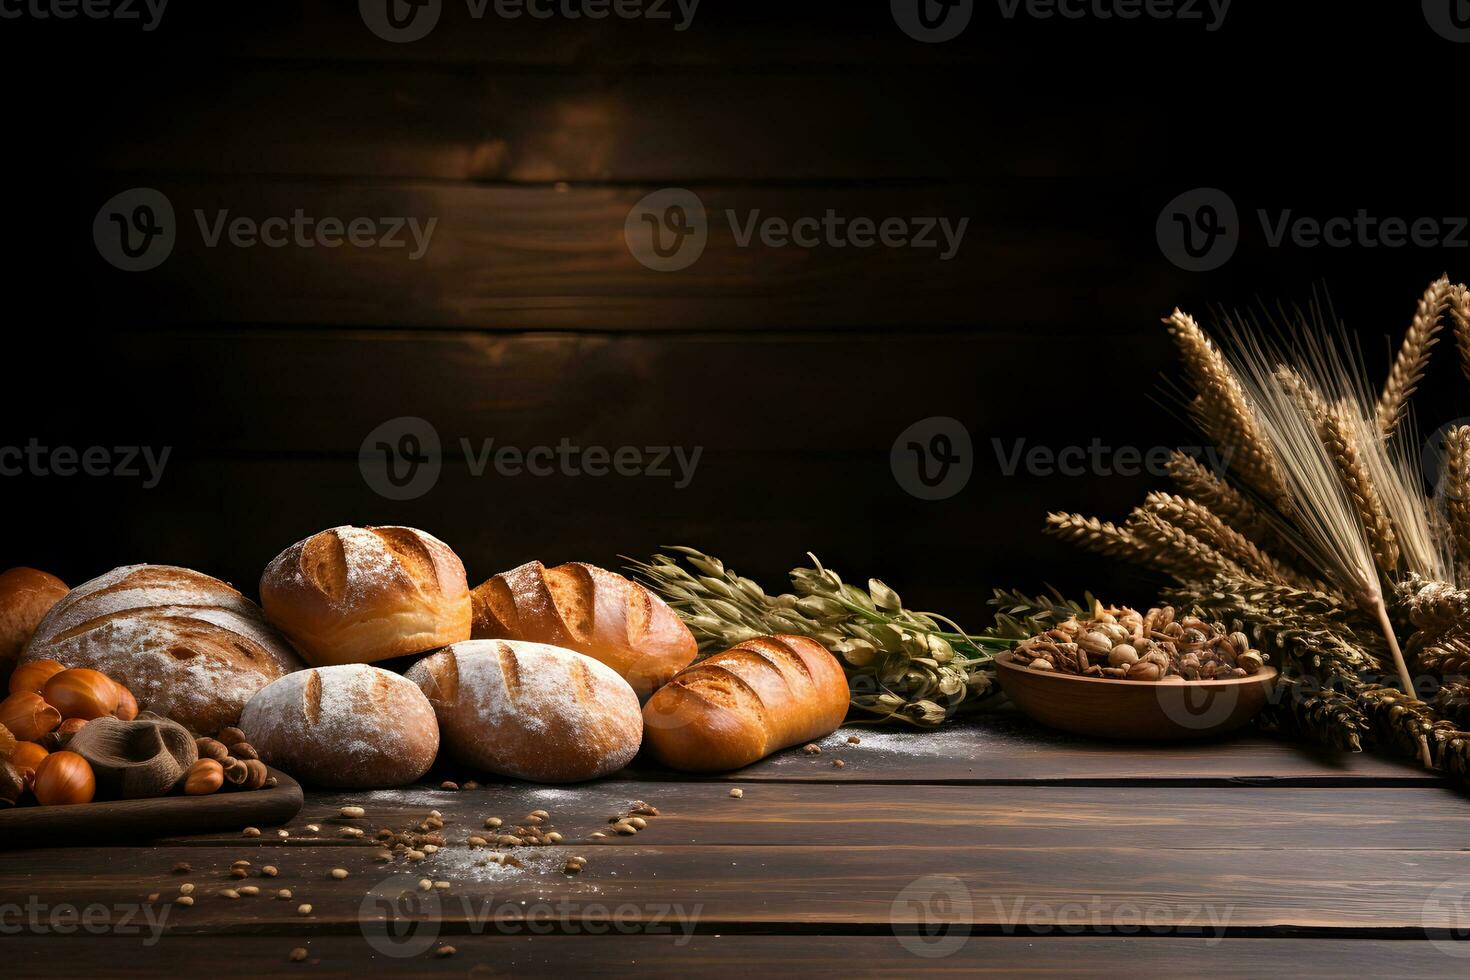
[{"x": 546, "y": 674}]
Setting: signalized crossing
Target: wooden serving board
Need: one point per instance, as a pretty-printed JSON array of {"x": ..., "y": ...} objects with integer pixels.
[{"x": 161, "y": 816}]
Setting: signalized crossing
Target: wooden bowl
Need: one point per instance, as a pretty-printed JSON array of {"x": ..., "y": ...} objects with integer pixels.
[{"x": 1153, "y": 711}]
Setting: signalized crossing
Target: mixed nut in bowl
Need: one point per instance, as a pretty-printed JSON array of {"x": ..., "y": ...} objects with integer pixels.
[{"x": 1130, "y": 675}]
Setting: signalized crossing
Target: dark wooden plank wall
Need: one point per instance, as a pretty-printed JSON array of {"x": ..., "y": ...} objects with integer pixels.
[{"x": 528, "y": 320}]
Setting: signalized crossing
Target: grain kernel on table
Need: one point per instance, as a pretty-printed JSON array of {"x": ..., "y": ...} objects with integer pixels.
[
  {"x": 252, "y": 831},
  {"x": 298, "y": 954},
  {"x": 303, "y": 909},
  {"x": 339, "y": 873},
  {"x": 352, "y": 812},
  {"x": 737, "y": 793}
]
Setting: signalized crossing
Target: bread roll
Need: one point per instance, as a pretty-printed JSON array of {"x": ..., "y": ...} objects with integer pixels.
[
  {"x": 735, "y": 707},
  {"x": 350, "y": 727},
  {"x": 589, "y": 610},
  {"x": 530, "y": 710},
  {"x": 25, "y": 597},
  {"x": 189, "y": 647},
  {"x": 360, "y": 594}
]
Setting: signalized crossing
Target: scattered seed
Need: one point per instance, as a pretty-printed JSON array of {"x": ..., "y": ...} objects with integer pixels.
[
  {"x": 252, "y": 831},
  {"x": 284, "y": 893},
  {"x": 242, "y": 863},
  {"x": 153, "y": 896},
  {"x": 315, "y": 828},
  {"x": 351, "y": 832},
  {"x": 854, "y": 740},
  {"x": 187, "y": 888},
  {"x": 383, "y": 856},
  {"x": 532, "y": 820},
  {"x": 416, "y": 855},
  {"x": 250, "y": 890},
  {"x": 471, "y": 785},
  {"x": 352, "y": 812},
  {"x": 435, "y": 814},
  {"x": 229, "y": 893},
  {"x": 493, "y": 822},
  {"x": 303, "y": 910},
  {"x": 540, "y": 814},
  {"x": 269, "y": 871},
  {"x": 441, "y": 885},
  {"x": 598, "y": 835},
  {"x": 298, "y": 954},
  {"x": 572, "y": 867},
  {"x": 638, "y": 822},
  {"x": 425, "y": 884},
  {"x": 444, "y": 951},
  {"x": 283, "y": 834},
  {"x": 184, "y": 900},
  {"x": 182, "y": 868},
  {"x": 646, "y": 810},
  {"x": 239, "y": 872},
  {"x": 339, "y": 873},
  {"x": 553, "y": 838},
  {"x": 449, "y": 784},
  {"x": 812, "y": 748},
  {"x": 737, "y": 792},
  {"x": 838, "y": 763},
  {"x": 625, "y": 829}
]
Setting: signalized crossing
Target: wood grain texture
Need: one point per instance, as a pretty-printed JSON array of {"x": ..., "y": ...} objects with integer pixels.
[
  {"x": 723, "y": 889},
  {"x": 677, "y": 956},
  {"x": 858, "y": 814}
]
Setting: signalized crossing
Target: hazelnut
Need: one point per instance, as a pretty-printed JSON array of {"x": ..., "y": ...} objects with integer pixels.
[
  {"x": 230, "y": 736},
  {"x": 244, "y": 750},
  {"x": 1095, "y": 642},
  {"x": 204, "y": 777},
  {"x": 212, "y": 749},
  {"x": 1122, "y": 655}
]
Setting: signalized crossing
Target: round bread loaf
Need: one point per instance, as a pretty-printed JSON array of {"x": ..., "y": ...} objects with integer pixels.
[
  {"x": 25, "y": 597},
  {"x": 189, "y": 647},
  {"x": 589, "y": 610},
  {"x": 351, "y": 726},
  {"x": 530, "y": 710},
  {"x": 358, "y": 594}
]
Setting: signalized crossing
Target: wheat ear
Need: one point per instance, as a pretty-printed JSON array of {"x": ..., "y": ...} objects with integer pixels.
[
  {"x": 1206, "y": 526},
  {"x": 1460, "y": 313},
  {"x": 1177, "y": 551},
  {"x": 1413, "y": 356},
  {"x": 1103, "y": 537},
  {"x": 1223, "y": 412},
  {"x": 1196, "y": 482},
  {"x": 1457, "y": 488},
  {"x": 1337, "y": 437}
]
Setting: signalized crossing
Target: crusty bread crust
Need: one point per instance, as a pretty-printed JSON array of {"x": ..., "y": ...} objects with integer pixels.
[
  {"x": 351, "y": 726},
  {"x": 188, "y": 647},
  {"x": 357, "y": 595},
  {"x": 530, "y": 710},
  {"x": 26, "y": 595},
  {"x": 736, "y": 707},
  {"x": 592, "y": 611}
]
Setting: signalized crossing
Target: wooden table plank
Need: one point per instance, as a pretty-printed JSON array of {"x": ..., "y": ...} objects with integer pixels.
[
  {"x": 858, "y": 814},
  {"x": 679, "y": 957},
  {"x": 721, "y": 889}
]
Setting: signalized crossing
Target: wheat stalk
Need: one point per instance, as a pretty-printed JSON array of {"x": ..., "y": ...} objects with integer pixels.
[
  {"x": 1222, "y": 410},
  {"x": 1460, "y": 313},
  {"x": 1182, "y": 554},
  {"x": 1196, "y": 482},
  {"x": 1103, "y": 537},
  {"x": 1413, "y": 356},
  {"x": 1456, "y": 488},
  {"x": 1418, "y": 525},
  {"x": 1203, "y": 524}
]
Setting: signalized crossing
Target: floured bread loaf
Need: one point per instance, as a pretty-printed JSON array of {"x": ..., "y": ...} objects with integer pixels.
[
  {"x": 189, "y": 647},
  {"x": 531, "y": 710},
  {"x": 351, "y": 726},
  {"x": 359, "y": 594}
]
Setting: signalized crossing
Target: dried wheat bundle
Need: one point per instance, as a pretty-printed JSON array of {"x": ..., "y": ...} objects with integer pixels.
[{"x": 1320, "y": 535}]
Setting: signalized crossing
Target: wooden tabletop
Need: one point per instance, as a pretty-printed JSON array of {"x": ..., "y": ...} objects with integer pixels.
[{"x": 990, "y": 847}]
